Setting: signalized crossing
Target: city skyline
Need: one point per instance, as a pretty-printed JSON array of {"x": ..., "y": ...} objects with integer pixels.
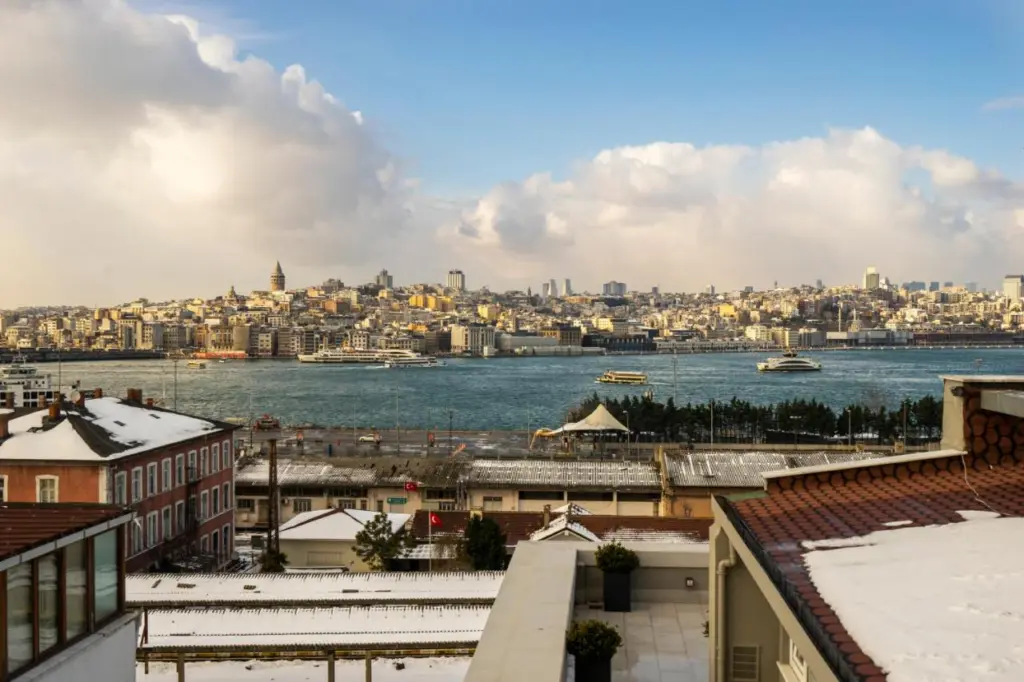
[{"x": 205, "y": 137}]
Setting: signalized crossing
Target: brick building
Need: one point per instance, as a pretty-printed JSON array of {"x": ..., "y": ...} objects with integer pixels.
[{"x": 174, "y": 470}]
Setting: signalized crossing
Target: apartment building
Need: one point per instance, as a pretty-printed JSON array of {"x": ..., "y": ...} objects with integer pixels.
[{"x": 175, "y": 471}]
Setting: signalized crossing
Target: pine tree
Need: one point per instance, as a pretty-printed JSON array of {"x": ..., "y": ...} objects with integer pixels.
[
  {"x": 485, "y": 544},
  {"x": 378, "y": 543}
]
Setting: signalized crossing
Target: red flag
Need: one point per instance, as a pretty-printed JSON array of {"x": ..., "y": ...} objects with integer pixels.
[
  {"x": 411, "y": 487},
  {"x": 435, "y": 520}
]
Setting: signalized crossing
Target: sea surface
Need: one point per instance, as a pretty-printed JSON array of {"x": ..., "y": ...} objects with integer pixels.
[{"x": 521, "y": 393}]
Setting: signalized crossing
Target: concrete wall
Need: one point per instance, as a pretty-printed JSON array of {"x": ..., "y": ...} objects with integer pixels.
[
  {"x": 322, "y": 554},
  {"x": 107, "y": 655},
  {"x": 661, "y": 577}
]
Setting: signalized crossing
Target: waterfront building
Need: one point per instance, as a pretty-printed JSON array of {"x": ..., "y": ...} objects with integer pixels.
[
  {"x": 474, "y": 338},
  {"x": 567, "y": 335},
  {"x": 64, "y": 615},
  {"x": 277, "y": 279},
  {"x": 456, "y": 280},
  {"x": 175, "y": 472}
]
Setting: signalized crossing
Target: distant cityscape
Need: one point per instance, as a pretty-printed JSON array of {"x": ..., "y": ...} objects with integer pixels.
[{"x": 453, "y": 318}]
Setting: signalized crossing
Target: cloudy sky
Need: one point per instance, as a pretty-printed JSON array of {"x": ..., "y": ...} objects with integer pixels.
[{"x": 172, "y": 149}]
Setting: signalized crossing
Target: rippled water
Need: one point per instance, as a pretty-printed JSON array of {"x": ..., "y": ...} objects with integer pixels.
[{"x": 522, "y": 392}]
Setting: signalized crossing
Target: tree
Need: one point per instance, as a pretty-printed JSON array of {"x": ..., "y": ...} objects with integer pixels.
[
  {"x": 451, "y": 547},
  {"x": 378, "y": 543},
  {"x": 485, "y": 544}
]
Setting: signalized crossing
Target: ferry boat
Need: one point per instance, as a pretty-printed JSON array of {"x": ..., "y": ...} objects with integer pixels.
[
  {"x": 629, "y": 378},
  {"x": 373, "y": 356},
  {"x": 421, "y": 361},
  {"x": 25, "y": 383},
  {"x": 196, "y": 364},
  {"x": 789, "y": 362}
]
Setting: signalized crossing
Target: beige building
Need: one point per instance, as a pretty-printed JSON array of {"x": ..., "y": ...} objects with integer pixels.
[{"x": 327, "y": 538}]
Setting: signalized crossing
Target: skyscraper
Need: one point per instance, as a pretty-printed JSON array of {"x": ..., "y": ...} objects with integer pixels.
[
  {"x": 872, "y": 280},
  {"x": 545, "y": 290},
  {"x": 277, "y": 278},
  {"x": 1013, "y": 287},
  {"x": 456, "y": 280},
  {"x": 614, "y": 288},
  {"x": 566, "y": 287},
  {"x": 384, "y": 280},
  {"x": 553, "y": 287}
]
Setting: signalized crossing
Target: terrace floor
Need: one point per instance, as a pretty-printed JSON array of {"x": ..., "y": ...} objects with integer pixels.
[{"x": 661, "y": 642}]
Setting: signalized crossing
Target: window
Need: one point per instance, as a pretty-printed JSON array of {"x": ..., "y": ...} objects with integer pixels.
[
  {"x": 797, "y": 665},
  {"x": 152, "y": 524},
  {"x": 303, "y": 504},
  {"x": 137, "y": 544},
  {"x": 75, "y": 589},
  {"x": 380, "y": 506},
  {"x": 165, "y": 522},
  {"x": 179, "y": 470},
  {"x": 121, "y": 488},
  {"x": 46, "y": 488},
  {"x": 215, "y": 541},
  {"x": 179, "y": 516},
  {"x": 49, "y": 603},
  {"x": 165, "y": 475},
  {"x": 216, "y": 501},
  {"x": 3, "y": 489},
  {"x": 105, "y": 567},
  {"x": 492, "y": 503},
  {"x": 225, "y": 540},
  {"x": 204, "y": 505},
  {"x": 214, "y": 458},
  {"x": 225, "y": 453},
  {"x": 226, "y": 497},
  {"x": 204, "y": 461},
  {"x": 192, "y": 471},
  {"x": 19, "y": 616},
  {"x": 246, "y": 504},
  {"x": 204, "y": 543},
  {"x": 151, "y": 486},
  {"x": 136, "y": 484}
]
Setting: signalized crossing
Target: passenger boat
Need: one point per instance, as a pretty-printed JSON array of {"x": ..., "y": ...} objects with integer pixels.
[
  {"x": 419, "y": 361},
  {"x": 789, "y": 362},
  {"x": 628, "y": 378},
  {"x": 196, "y": 364},
  {"x": 372, "y": 356},
  {"x": 25, "y": 384}
]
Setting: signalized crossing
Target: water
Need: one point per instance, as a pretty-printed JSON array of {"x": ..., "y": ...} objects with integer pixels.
[{"x": 522, "y": 393}]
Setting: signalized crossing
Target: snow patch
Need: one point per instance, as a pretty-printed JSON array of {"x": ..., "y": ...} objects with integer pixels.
[
  {"x": 897, "y": 524},
  {"x": 942, "y": 602},
  {"x": 975, "y": 515}
]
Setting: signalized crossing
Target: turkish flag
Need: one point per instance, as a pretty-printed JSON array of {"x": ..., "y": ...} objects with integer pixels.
[
  {"x": 411, "y": 487},
  {"x": 435, "y": 520}
]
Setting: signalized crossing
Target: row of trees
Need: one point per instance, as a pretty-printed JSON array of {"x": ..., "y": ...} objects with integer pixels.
[
  {"x": 480, "y": 548},
  {"x": 740, "y": 421}
]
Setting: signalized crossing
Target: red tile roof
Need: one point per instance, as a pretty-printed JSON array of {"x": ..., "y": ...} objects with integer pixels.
[
  {"x": 854, "y": 502},
  {"x": 24, "y": 526},
  {"x": 518, "y": 526}
]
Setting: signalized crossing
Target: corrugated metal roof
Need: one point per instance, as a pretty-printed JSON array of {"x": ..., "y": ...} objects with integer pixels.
[
  {"x": 744, "y": 469},
  {"x": 359, "y": 472},
  {"x": 24, "y": 526},
  {"x": 565, "y": 474}
]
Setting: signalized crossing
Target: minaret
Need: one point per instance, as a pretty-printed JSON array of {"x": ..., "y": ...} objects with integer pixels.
[{"x": 277, "y": 278}]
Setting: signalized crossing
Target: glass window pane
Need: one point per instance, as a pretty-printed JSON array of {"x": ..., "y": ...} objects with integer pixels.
[
  {"x": 19, "y": 617},
  {"x": 49, "y": 607},
  {"x": 105, "y": 574},
  {"x": 76, "y": 586}
]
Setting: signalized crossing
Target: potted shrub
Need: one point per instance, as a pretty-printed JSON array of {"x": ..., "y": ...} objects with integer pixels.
[
  {"x": 617, "y": 563},
  {"x": 593, "y": 644}
]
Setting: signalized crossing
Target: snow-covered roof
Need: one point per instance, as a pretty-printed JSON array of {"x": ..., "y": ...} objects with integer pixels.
[
  {"x": 107, "y": 428},
  {"x": 310, "y": 587},
  {"x": 572, "y": 509},
  {"x": 563, "y": 524},
  {"x": 170, "y": 629},
  {"x": 446, "y": 669},
  {"x": 932, "y": 602},
  {"x": 576, "y": 473},
  {"x": 334, "y": 524}
]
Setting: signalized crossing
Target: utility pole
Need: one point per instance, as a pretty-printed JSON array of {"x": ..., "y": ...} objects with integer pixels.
[
  {"x": 712, "y": 421},
  {"x": 451, "y": 416},
  {"x": 175, "y": 384},
  {"x": 675, "y": 377},
  {"x": 273, "y": 534}
]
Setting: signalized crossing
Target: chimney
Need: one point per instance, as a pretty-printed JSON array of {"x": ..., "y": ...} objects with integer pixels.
[
  {"x": 4, "y": 431},
  {"x": 55, "y": 411},
  {"x": 149, "y": 402},
  {"x": 9, "y": 400},
  {"x": 98, "y": 393},
  {"x": 547, "y": 516},
  {"x": 80, "y": 400}
]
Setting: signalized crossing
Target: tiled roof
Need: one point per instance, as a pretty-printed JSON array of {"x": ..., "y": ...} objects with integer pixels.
[
  {"x": 519, "y": 526},
  {"x": 24, "y": 526},
  {"x": 705, "y": 469},
  {"x": 565, "y": 474},
  {"x": 851, "y": 503}
]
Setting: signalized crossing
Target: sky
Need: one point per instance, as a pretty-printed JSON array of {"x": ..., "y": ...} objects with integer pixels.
[{"x": 169, "y": 149}]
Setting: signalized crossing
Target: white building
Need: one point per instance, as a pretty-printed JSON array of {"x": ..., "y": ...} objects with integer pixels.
[
  {"x": 872, "y": 280},
  {"x": 475, "y": 338},
  {"x": 1013, "y": 287},
  {"x": 456, "y": 280}
]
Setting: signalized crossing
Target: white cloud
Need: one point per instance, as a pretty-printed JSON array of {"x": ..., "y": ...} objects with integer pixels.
[
  {"x": 142, "y": 155},
  {"x": 1004, "y": 103},
  {"x": 794, "y": 211}
]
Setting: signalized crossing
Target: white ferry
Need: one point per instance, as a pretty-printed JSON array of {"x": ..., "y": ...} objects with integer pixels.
[
  {"x": 420, "y": 361},
  {"x": 26, "y": 383},
  {"x": 374, "y": 356},
  {"x": 196, "y": 364},
  {"x": 789, "y": 362},
  {"x": 629, "y": 378}
]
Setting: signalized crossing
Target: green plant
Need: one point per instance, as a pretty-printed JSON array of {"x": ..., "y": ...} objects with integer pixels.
[
  {"x": 614, "y": 558},
  {"x": 485, "y": 544},
  {"x": 379, "y": 542},
  {"x": 274, "y": 562},
  {"x": 593, "y": 640}
]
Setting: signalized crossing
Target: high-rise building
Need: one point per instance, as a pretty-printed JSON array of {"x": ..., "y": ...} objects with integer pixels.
[
  {"x": 553, "y": 287},
  {"x": 872, "y": 280},
  {"x": 566, "y": 287},
  {"x": 614, "y": 288},
  {"x": 545, "y": 290},
  {"x": 818, "y": 284},
  {"x": 933, "y": 286},
  {"x": 384, "y": 280},
  {"x": 1013, "y": 287},
  {"x": 456, "y": 280},
  {"x": 277, "y": 278},
  {"x": 655, "y": 291},
  {"x": 971, "y": 287},
  {"x": 710, "y": 289}
]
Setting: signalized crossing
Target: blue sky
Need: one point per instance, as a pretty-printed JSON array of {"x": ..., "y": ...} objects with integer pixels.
[{"x": 475, "y": 92}]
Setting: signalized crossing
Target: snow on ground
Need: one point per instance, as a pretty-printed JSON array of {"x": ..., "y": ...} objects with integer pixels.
[
  {"x": 416, "y": 670},
  {"x": 936, "y": 603}
]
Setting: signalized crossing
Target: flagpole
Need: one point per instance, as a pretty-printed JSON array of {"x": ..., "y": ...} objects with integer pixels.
[{"x": 430, "y": 542}]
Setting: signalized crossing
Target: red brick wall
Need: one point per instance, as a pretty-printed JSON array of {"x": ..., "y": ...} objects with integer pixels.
[{"x": 76, "y": 482}]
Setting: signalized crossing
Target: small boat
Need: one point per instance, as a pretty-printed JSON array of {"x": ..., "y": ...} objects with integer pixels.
[
  {"x": 789, "y": 362},
  {"x": 196, "y": 364},
  {"x": 628, "y": 378}
]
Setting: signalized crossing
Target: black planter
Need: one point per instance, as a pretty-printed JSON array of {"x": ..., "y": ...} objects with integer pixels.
[
  {"x": 591, "y": 670},
  {"x": 617, "y": 596}
]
